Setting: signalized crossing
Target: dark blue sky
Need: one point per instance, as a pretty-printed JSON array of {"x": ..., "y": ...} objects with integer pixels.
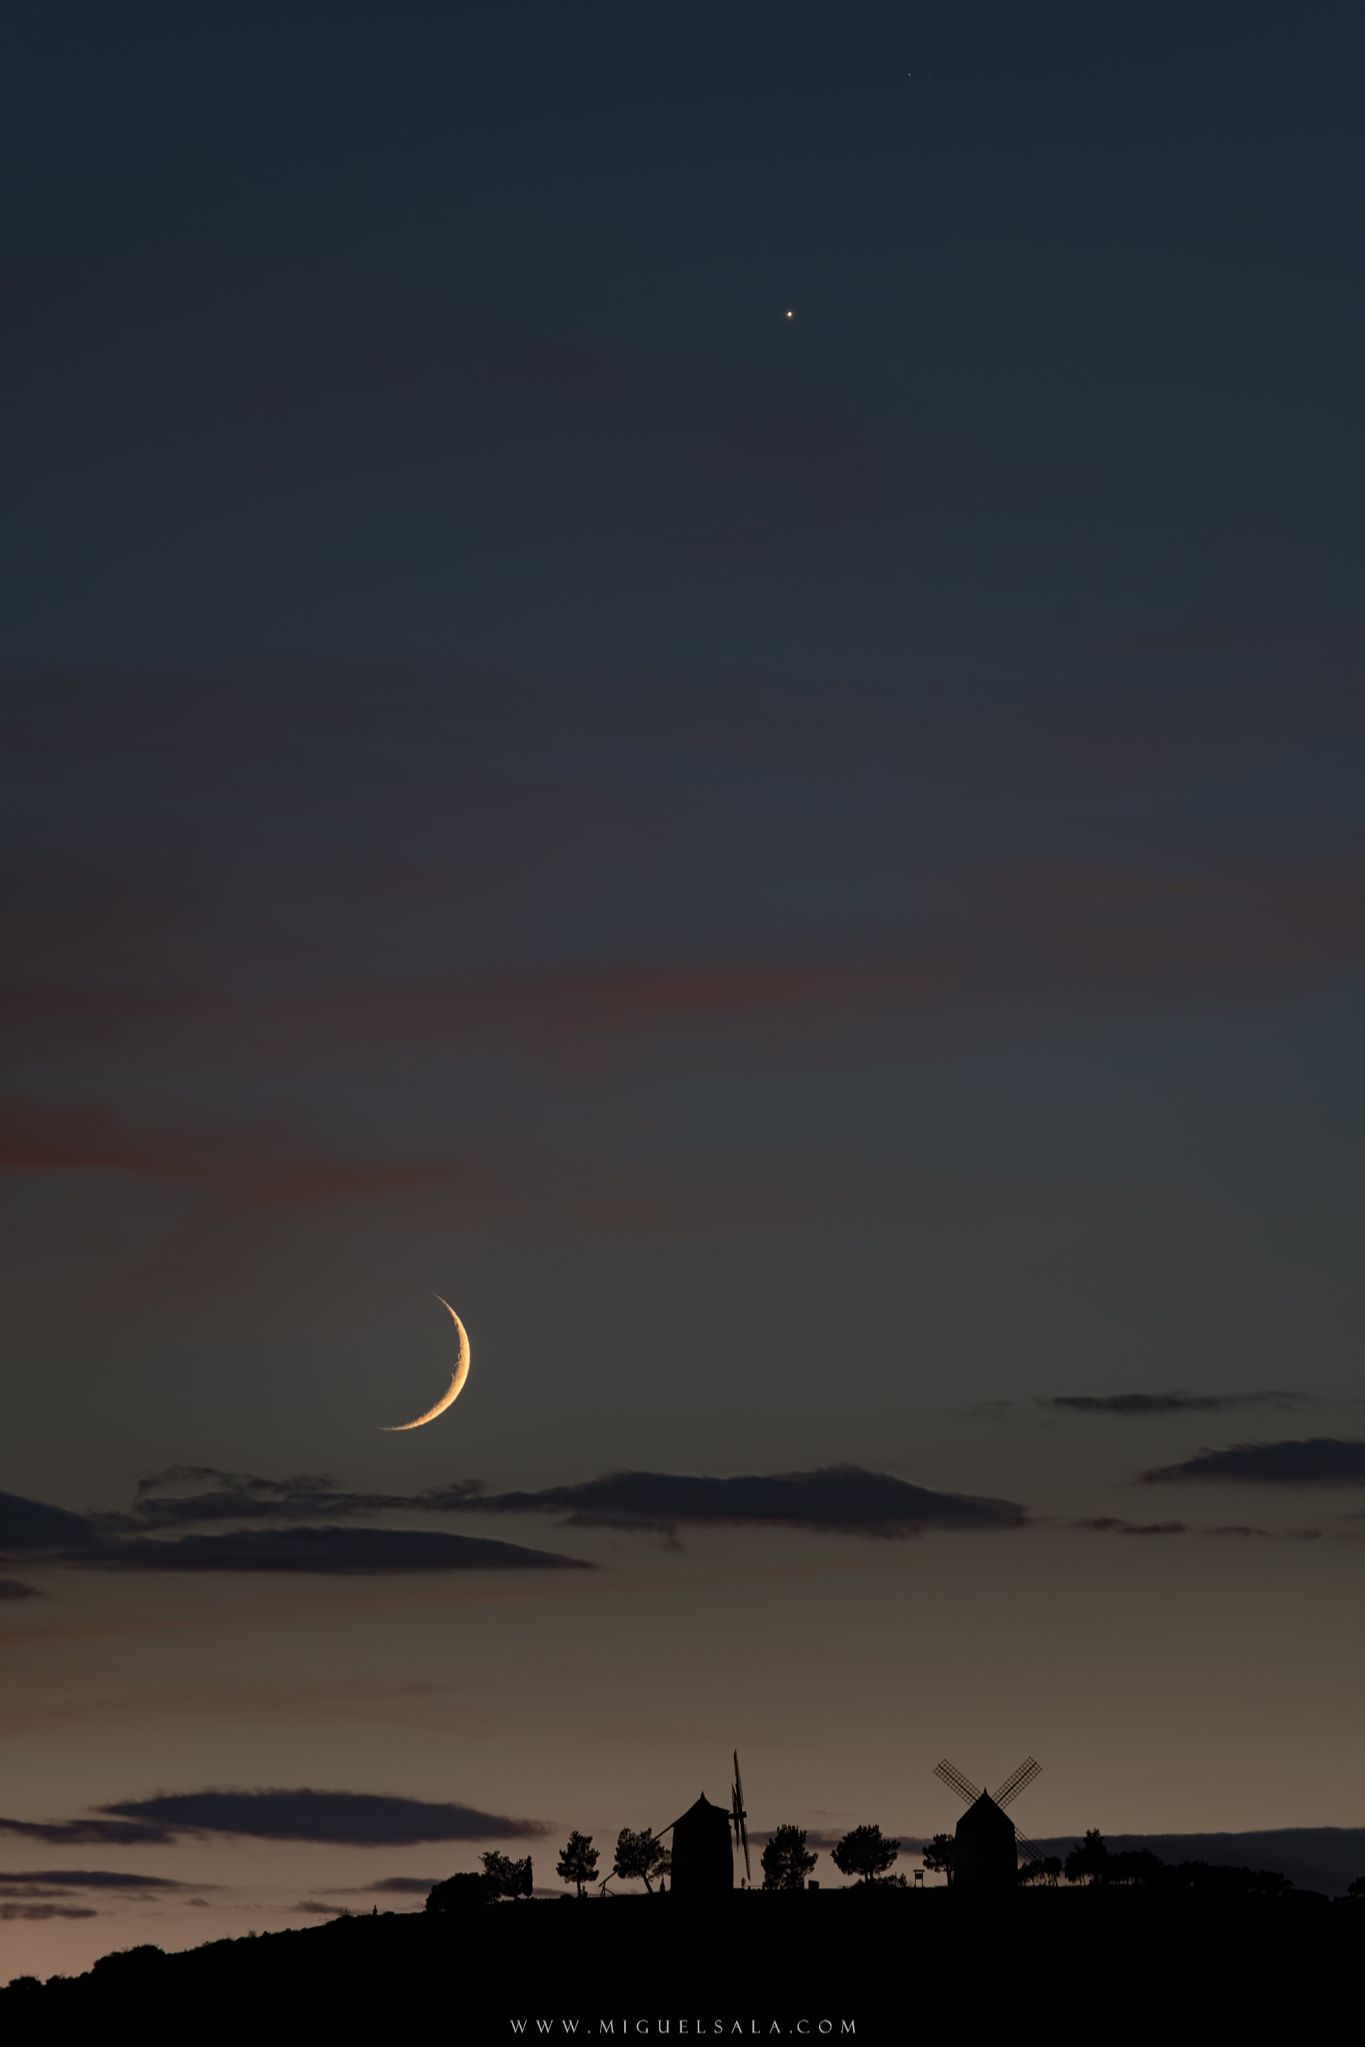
[{"x": 807, "y": 874}]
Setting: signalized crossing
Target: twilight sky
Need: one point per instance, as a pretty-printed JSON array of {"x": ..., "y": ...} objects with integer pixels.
[{"x": 807, "y": 874}]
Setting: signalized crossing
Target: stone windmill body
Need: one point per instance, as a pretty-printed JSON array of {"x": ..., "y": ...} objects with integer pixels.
[{"x": 987, "y": 1844}]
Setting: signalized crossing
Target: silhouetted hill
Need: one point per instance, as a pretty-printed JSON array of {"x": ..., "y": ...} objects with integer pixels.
[{"x": 890, "y": 1962}]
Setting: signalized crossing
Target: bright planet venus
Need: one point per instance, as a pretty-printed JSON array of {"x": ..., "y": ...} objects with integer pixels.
[{"x": 453, "y": 1390}]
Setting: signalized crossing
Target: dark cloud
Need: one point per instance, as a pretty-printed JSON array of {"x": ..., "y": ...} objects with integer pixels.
[
  {"x": 354, "y": 1819},
  {"x": 332, "y": 1552},
  {"x": 1240, "y": 1528},
  {"x": 33, "y": 1525},
  {"x": 14, "y": 1588},
  {"x": 1317, "y": 1461},
  {"x": 91, "y": 1880},
  {"x": 1138, "y": 1405},
  {"x": 317, "y": 1908},
  {"x": 403, "y": 1886},
  {"x": 90, "y": 1833},
  {"x": 117, "y": 1542},
  {"x": 841, "y": 1499},
  {"x": 1114, "y": 1524},
  {"x": 1117, "y": 1524},
  {"x": 16, "y": 1911}
]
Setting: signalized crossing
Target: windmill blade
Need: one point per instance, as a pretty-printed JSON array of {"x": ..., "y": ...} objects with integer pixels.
[
  {"x": 1028, "y": 1850},
  {"x": 1018, "y": 1780},
  {"x": 738, "y": 1818},
  {"x": 955, "y": 1781}
]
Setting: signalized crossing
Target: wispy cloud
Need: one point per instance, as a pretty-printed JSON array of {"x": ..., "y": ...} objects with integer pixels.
[
  {"x": 267, "y": 1164},
  {"x": 264, "y": 1158},
  {"x": 241, "y": 1496},
  {"x": 978, "y": 940}
]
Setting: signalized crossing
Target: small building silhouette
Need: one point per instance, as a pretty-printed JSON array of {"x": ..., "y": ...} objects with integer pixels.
[
  {"x": 703, "y": 1861},
  {"x": 984, "y": 1855}
]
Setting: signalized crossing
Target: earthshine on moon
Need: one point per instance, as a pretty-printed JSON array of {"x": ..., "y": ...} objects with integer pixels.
[{"x": 453, "y": 1390}]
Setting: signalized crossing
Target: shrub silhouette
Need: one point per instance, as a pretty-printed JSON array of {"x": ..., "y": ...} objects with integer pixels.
[
  {"x": 577, "y": 1862},
  {"x": 787, "y": 1861},
  {"x": 128, "y": 1963},
  {"x": 1088, "y": 1861},
  {"x": 866, "y": 1853},
  {"x": 466, "y": 1891}
]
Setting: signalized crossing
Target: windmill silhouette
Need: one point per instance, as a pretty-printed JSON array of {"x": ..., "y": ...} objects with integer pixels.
[
  {"x": 987, "y": 1844},
  {"x": 703, "y": 1853}
]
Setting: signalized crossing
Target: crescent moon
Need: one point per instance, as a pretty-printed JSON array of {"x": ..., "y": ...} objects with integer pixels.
[{"x": 453, "y": 1390}]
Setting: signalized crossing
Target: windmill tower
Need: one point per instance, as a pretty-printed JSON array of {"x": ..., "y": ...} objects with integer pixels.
[
  {"x": 703, "y": 1850},
  {"x": 702, "y": 1863},
  {"x": 987, "y": 1844}
]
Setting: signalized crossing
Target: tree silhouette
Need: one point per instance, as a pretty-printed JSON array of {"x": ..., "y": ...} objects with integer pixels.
[
  {"x": 640, "y": 1855},
  {"x": 1088, "y": 1861},
  {"x": 866, "y": 1853},
  {"x": 1133, "y": 1866},
  {"x": 577, "y": 1863},
  {"x": 938, "y": 1856},
  {"x": 511, "y": 1879},
  {"x": 1356, "y": 1887},
  {"x": 787, "y": 1861},
  {"x": 1052, "y": 1869}
]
